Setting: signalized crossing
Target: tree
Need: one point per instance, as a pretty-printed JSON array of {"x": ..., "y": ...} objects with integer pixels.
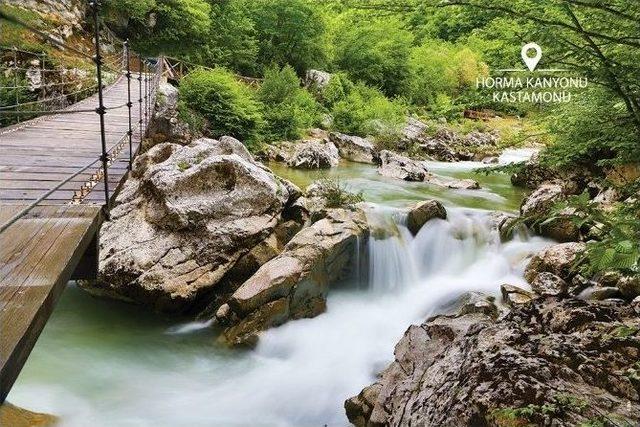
[
  {"x": 376, "y": 54},
  {"x": 289, "y": 32}
]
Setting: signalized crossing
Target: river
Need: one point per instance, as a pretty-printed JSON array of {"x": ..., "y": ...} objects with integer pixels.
[{"x": 103, "y": 363}]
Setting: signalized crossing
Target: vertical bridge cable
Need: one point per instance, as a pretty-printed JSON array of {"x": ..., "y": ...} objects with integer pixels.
[
  {"x": 129, "y": 103},
  {"x": 101, "y": 110},
  {"x": 140, "y": 95}
]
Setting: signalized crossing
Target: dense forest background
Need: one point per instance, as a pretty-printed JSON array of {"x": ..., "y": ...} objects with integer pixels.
[{"x": 393, "y": 59}]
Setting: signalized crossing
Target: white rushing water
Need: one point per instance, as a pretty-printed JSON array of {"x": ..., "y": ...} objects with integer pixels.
[{"x": 300, "y": 373}]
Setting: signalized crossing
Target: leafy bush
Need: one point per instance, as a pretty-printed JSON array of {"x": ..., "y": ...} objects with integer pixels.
[
  {"x": 289, "y": 109},
  {"x": 587, "y": 139},
  {"x": 440, "y": 69},
  {"x": 366, "y": 111},
  {"x": 375, "y": 54},
  {"x": 336, "y": 90},
  {"x": 336, "y": 194},
  {"x": 229, "y": 106}
]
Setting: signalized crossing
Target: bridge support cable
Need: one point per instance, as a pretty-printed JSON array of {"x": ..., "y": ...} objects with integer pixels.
[
  {"x": 129, "y": 103},
  {"x": 94, "y": 4},
  {"x": 140, "y": 96}
]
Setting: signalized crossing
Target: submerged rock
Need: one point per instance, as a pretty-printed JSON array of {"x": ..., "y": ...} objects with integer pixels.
[
  {"x": 550, "y": 362},
  {"x": 184, "y": 219},
  {"x": 295, "y": 284},
  {"x": 354, "y": 148},
  {"x": 422, "y": 212}
]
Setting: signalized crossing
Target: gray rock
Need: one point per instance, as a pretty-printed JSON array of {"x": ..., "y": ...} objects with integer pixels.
[
  {"x": 422, "y": 212},
  {"x": 400, "y": 167},
  {"x": 314, "y": 154},
  {"x": 354, "y": 148},
  {"x": 514, "y": 295},
  {"x": 542, "y": 200},
  {"x": 183, "y": 220},
  {"x": 629, "y": 286},
  {"x": 599, "y": 293},
  {"x": 557, "y": 259},
  {"x": 166, "y": 126},
  {"x": 316, "y": 78},
  {"x": 548, "y": 284},
  {"x": 295, "y": 284},
  {"x": 474, "y": 370}
]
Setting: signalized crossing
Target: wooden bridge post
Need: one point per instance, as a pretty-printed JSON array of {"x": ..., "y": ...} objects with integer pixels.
[
  {"x": 129, "y": 103},
  {"x": 101, "y": 110}
]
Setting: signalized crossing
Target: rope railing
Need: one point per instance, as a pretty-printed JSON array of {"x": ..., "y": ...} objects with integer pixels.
[{"x": 149, "y": 75}]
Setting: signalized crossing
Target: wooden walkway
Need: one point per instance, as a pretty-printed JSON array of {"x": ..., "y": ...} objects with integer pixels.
[
  {"x": 36, "y": 155},
  {"x": 42, "y": 251}
]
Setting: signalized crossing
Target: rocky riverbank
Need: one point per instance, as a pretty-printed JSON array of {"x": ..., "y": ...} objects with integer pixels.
[{"x": 563, "y": 351}]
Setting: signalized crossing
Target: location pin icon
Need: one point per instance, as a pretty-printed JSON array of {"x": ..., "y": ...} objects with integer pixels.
[{"x": 532, "y": 62}]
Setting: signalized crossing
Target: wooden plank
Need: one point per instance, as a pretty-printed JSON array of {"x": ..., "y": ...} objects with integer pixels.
[{"x": 28, "y": 295}]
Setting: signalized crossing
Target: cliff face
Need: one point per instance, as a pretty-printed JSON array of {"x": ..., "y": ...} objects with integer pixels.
[{"x": 70, "y": 11}]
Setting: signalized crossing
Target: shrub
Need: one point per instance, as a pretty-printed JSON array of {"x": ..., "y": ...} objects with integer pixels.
[
  {"x": 336, "y": 90},
  {"x": 336, "y": 194},
  {"x": 440, "y": 68},
  {"x": 228, "y": 105},
  {"x": 289, "y": 109},
  {"x": 366, "y": 111},
  {"x": 375, "y": 54}
]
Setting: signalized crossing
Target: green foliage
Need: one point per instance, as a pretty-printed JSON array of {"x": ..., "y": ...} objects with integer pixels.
[
  {"x": 177, "y": 22},
  {"x": 231, "y": 41},
  {"x": 589, "y": 131},
  {"x": 439, "y": 70},
  {"x": 618, "y": 232},
  {"x": 366, "y": 111},
  {"x": 336, "y": 194},
  {"x": 134, "y": 10},
  {"x": 289, "y": 32},
  {"x": 289, "y": 109},
  {"x": 228, "y": 105},
  {"x": 376, "y": 54},
  {"x": 194, "y": 120},
  {"x": 336, "y": 90}
]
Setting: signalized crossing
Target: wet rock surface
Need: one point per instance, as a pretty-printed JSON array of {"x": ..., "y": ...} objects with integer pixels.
[
  {"x": 295, "y": 284},
  {"x": 422, "y": 212},
  {"x": 551, "y": 361}
]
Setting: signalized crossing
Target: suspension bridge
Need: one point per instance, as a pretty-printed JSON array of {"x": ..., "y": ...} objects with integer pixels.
[{"x": 62, "y": 161}]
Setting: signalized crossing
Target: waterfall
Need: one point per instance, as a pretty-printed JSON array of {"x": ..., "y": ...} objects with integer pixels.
[{"x": 301, "y": 372}]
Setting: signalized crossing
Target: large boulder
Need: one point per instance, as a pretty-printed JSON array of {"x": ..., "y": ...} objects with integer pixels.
[
  {"x": 165, "y": 125},
  {"x": 314, "y": 154},
  {"x": 422, "y": 212},
  {"x": 295, "y": 284},
  {"x": 354, "y": 148},
  {"x": 550, "y": 362},
  {"x": 401, "y": 167},
  {"x": 538, "y": 206},
  {"x": 556, "y": 259},
  {"x": 184, "y": 219},
  {"x": 540, "y": 201}
]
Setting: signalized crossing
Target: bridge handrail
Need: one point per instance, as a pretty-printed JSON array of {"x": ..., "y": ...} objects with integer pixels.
[{"x": 107, "y": 157}]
